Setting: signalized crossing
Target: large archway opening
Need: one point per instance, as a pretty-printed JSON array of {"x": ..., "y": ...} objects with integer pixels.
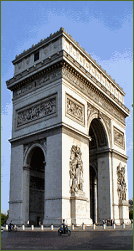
[
  {"x": 36, "y": 161},
  {"x": 97, "y": 147}
]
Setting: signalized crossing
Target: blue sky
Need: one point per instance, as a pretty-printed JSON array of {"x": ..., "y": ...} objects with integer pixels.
[{"x": 103, "y": 28}]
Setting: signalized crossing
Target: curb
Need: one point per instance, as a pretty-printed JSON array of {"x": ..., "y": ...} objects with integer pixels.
[{"x": 75, "y": 230}]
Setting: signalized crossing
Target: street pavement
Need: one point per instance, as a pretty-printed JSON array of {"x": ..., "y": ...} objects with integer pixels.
[{"x": 89, "y": 239}]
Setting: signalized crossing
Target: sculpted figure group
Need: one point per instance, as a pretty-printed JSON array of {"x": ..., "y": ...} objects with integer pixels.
[
  {"x": 76, "y": 170},
  {"x": 121, "y": 184}
]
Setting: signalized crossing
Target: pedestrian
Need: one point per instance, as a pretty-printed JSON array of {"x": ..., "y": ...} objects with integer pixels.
[
  {"x": 103, "y": 222},
  {"x": 64, "y": 226},
  {"x": 11, "y": 225}
]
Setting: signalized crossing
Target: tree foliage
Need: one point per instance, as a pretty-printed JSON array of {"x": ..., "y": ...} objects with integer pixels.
[
  {"x": 4, "y": 218},
  {"x": 131, "y": 214}
]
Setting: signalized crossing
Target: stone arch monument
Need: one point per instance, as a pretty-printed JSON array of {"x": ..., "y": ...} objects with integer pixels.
[{"x": 68, "y": 145}]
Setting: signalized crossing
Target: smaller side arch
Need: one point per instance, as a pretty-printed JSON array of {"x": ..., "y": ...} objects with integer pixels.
[
  {"x": 29, "y": 150},
  {"x": 100, "y": 117}
]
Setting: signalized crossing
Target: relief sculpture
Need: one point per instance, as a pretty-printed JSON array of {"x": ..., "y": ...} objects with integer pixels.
[
  {"x": 75, "y": 110},
  {"x": 121, "y": 184},
  {"x": 36, "y": 111},
  {"x": 118, "y": 138},
  {"x": 76, "y": 170}
]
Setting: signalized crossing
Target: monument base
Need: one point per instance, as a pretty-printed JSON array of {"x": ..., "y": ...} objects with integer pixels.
[{"x": 80, "y": 209}]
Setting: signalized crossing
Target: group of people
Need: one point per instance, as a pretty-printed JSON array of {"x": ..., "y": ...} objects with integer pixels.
[{"x": 107, "y": 222}]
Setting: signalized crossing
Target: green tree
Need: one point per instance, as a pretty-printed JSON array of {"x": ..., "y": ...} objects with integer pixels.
[
  {"x": 4, "y": 218},
  {"x": 131, "y": 214}
]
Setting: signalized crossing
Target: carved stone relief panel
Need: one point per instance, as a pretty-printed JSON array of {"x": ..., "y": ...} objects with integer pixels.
[
  {"x": 121, "y": 184},
  {"x": 75, "y": 110},
  {"x": 119, "y": 138},
  {"x": 41, "y": 109},
  {"x": 76, "y": 170}
]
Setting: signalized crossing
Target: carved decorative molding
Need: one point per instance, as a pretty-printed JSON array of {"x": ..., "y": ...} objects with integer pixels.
[
  {"x": 75, "y": 110},
  {"x": 36, "y": 83},
  {"x": 41, "y": 109},
  {"x": 15, "y": 201},
  {"x": 121, "y": 184},
  {"x": 108, "y": 125},
  {"x": 119, "y": 138},
  {"x": 90, "y": 110},
  {"x": 94, "y": 94},
  {"x": 76, "y": 170}
]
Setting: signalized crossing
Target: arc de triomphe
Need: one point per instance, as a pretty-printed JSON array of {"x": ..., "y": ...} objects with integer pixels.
[{"x": 68, "y": 146}]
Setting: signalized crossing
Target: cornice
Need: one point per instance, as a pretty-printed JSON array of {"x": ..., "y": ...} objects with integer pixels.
[
  {"x": 116, "y": 153},
  {"x": 36, "y": 133},
  {"x": 112, "y": 151}
]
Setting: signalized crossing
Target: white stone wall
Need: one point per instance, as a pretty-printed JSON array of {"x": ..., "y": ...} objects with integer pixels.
[
  {"x": 103, "y": 189},
  {"x": 26, "y": 180},
  {"x": 53, "y": 180},
  {"x": 16, "y": 185}
]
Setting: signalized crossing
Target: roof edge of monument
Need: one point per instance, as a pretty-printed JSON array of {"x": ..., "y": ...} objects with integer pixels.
[{"x": 53, "y": 36}]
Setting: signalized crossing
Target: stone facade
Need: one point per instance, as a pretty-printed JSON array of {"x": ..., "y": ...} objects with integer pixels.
[{"x": 68, "y": 149}]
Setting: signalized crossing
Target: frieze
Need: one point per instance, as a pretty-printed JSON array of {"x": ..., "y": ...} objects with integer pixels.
[
  {"x": 118, "y": 138},
  {"x": 36, "y": 83},
  {"x": 93, "y": 94},
  {"x": 36, "y": 111},
  {"x": 121, "y": 184},
  {"x": 75, "y": 110},
  {"x": 76, "y": 170}
]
